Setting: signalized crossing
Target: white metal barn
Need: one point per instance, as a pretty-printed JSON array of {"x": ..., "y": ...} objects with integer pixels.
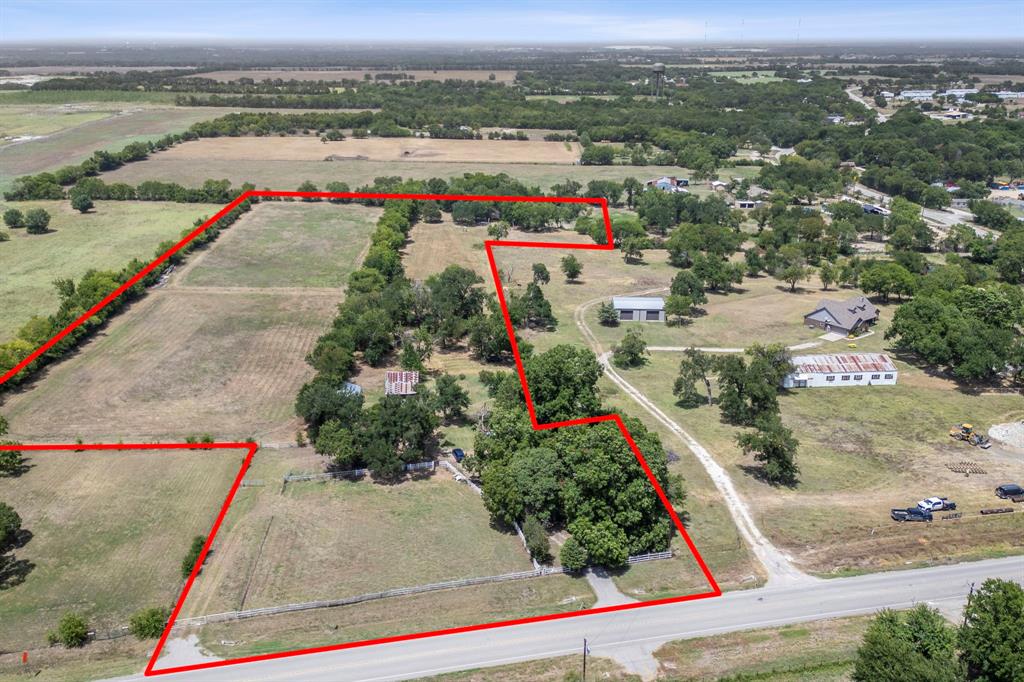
[
  {"x": 640, "y": 308},
  {"x": 847, "y": 369}
]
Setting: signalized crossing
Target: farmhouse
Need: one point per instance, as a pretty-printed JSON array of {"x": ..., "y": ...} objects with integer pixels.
[
  {"x": 848, "y": 369},
  {"x": 640, "y": 308},
  {"x": 845, "y": 317}
]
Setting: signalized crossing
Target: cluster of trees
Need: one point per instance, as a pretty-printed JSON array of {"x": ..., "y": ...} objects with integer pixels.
[
  {"x": 380, "y": 304},
  {"x": 49, "y": 185},
  {"x": 78, "y": 297},
  {"x": 910, "y": 151},
  {"x": 973, "y": 331},
  {"x": 34, "y": 220},
  {"x": 801, "y": 179},
  {"x": 920, "y": 644},
  {"x": 747, "y": 396},
  {"x": 583, "y": 479},
  {"x": 12, "y": 570}
]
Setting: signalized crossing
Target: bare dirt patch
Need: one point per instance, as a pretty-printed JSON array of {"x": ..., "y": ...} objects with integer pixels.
[{"x": 376, "y": 149}]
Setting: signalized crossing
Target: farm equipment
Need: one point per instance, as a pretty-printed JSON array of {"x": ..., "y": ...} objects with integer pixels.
[{"x": 966, "y": 433}]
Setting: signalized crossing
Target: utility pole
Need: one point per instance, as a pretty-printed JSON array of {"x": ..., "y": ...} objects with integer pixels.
[
  {"x": 968, "y": 605},
  {"x": 585, "y": 650}
]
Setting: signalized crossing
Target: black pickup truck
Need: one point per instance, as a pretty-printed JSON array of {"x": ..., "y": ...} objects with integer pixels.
[{"x": 910, "y": 514}]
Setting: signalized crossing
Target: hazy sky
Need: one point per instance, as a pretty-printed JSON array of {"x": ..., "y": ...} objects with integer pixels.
[{"x": 555, "y": 21}]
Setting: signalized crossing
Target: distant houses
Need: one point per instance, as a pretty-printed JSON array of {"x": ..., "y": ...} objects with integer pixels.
[
  {"x": 669, "y": 184},
  {"x": 847, "y": 369},
  {"x": 843, "y": 317},
  {"x": 639, "y": 308}
]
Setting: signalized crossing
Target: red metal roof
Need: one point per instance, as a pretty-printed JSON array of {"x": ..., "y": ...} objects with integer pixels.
[{"x": 844, "y": 363}]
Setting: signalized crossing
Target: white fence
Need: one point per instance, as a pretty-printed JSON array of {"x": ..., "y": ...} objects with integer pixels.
[
  {"x": 352, "y": 473},
  {"x": 345, "y": 601}
]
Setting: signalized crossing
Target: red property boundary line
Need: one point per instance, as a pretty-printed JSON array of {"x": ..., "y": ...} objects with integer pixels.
[{"x": 490, "y": 246}]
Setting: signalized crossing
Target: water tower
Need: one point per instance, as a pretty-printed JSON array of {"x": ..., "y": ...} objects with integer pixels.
[{"x": 658, "y": 79}]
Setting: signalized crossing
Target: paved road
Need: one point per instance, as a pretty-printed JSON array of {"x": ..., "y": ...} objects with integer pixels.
[
  {"x": 943, "y": 219},
  {"x": 945, "y": 587}
]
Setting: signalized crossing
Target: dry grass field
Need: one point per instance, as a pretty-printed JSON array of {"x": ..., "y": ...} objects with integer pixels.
[
  {"x": 107, "y": 237},
  {"x": 329, "y": 539},
  {"x": 309, "y": 148},
  {"x": 388, "y": 617},
  {"x": 182, "y": 361},
  {"x": 108, "y": 532},
  {"x": 358, "y": 74},
  {"x": 283, "y": 244},
  {"x": 290, "y": 174}
]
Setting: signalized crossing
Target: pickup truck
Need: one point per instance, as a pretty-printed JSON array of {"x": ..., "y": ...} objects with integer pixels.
[
  {"x": 910, "y": 514},
  {"x": 935, "y": 504}
]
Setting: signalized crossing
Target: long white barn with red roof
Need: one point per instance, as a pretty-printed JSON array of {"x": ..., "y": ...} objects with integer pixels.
[{"x": 846, "y": 369}]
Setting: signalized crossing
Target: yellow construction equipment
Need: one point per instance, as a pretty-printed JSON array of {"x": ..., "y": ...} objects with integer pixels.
[{"x": 961, "y": 431}]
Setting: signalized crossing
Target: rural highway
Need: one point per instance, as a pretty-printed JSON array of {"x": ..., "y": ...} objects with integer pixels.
[{"x": 617, "y": 633}]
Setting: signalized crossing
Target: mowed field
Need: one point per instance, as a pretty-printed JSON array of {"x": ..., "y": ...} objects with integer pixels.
[
  {"x": 182, "y": 362},
  {"x": 309, "y": 148},
  {"x": 107, "y": 237},
  {"x": 108, "y": 532},
  {"x": 17, "y": 121},
  {"x": 316, "y": 540},
  {"x": 283, "y": 244},
  {"x": 290, "y": 174},
  {"x": 358, "y": 74}
]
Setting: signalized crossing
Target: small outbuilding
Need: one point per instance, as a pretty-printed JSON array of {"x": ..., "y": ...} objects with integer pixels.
[
  {"x": 399, "y": 382},
  {"x": 848, "y": 369},
  {"x": 844, "y": 317},
  {"x": 639, "y": 308}
]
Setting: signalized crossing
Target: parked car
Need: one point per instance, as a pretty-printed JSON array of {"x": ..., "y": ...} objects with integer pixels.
[
  {"x": 936, "y": 504},
  {"x": 459, "y": 455},
  {"x": 1009, "y": 490},
  {"x": 910, "y": 514}
]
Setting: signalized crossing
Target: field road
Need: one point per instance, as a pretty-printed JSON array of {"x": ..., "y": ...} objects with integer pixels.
[
  {"x": 779, "y": 567},
  {"x": 613, "y": 634}
]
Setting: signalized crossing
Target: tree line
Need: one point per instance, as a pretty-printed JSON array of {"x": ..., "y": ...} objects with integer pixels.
[{"x": 77, "y": 297}]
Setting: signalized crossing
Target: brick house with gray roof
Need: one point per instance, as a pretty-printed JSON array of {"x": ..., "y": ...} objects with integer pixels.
[{"x": 844, "y": 317}]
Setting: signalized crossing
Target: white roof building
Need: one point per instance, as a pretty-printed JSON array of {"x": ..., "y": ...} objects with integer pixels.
[
  {"x": 640, "y": 308},
  {"x": 846, "y": 369}
]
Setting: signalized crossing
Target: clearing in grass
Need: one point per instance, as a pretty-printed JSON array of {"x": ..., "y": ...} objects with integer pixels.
[
  {"x": 286, "y": 245},
  {"x": 313, "y": 540}
]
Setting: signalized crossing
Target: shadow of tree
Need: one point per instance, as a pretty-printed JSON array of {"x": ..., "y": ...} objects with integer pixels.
[
  {"x": 757, "y": 471},
  {"x": 13, "y": 571}
]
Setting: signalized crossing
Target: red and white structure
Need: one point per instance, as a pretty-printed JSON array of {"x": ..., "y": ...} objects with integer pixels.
[
  {"x": 400, "y": 382},
  {"x": 847, "y": 369}
]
